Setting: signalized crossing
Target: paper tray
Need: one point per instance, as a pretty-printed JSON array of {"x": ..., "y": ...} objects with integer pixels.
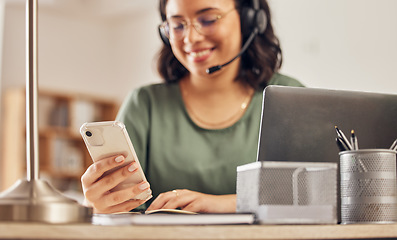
[{"x": 287, "y": 214}]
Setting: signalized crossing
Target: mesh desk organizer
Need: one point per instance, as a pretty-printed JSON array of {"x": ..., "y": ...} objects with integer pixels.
[
  {"x": 368, "y": 186},
  {"x": 288, "y": 192}
]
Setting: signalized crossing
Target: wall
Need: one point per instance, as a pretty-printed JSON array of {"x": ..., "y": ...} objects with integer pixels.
[
  {"x": 339, "y": 44},
  {"x": 333, "y": 44},
  {"x": 96, "y": 54}
]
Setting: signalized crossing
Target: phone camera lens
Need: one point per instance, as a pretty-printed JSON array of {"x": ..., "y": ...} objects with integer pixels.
[{"x": 88, "y": 133}]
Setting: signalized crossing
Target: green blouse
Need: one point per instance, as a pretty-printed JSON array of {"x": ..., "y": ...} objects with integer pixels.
[{"x": 175, "y": 153}]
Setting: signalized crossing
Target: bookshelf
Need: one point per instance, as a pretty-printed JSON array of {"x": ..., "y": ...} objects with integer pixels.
[{"x": 62, "y": 153}]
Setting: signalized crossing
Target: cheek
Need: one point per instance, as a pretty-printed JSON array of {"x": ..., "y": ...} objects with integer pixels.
[
  {"x": 177, "y": 50},
  {"x": 231, "y": 36},
  {"x": 230, "y": 44}
]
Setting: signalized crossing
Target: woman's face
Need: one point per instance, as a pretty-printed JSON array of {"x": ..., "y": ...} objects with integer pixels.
[{"x": 198, "y": 51}]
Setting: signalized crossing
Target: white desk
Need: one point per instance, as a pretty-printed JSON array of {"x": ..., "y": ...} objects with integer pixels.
[{"x": 13, "y": 230}]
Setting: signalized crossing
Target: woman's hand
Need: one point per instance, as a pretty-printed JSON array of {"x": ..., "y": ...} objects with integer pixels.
[
  {"x": 96, "y": 186},
  {"x": 195, "y": 202}
]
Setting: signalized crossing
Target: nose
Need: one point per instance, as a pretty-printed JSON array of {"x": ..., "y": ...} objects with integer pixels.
[{"x": 191, "y": 34}]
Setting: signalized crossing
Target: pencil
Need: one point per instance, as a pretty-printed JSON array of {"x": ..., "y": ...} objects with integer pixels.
[
  {"x": 343, "y": 138},
  {"x": 354, "y": 141},
  {"x": 394, "y": 145},
  {"x": 339, "y": 142}
]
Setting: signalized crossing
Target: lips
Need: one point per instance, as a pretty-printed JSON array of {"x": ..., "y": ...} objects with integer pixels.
[{"x": 200, "y": 55}]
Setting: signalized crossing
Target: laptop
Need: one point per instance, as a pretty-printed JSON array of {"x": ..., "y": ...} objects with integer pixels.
[{"x": 298, "y": 124}]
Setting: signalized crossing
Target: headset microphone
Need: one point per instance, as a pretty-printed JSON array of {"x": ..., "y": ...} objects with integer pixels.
[{"x": 243, "y": 49}]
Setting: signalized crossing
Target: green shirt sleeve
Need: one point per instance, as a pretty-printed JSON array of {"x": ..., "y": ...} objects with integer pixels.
[{"x": 279, "y": 79}]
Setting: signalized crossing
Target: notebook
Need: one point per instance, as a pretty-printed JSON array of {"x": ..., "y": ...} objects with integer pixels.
[
  {"x": 298, "y": 124},
  {"x": 173, "y": 217}
]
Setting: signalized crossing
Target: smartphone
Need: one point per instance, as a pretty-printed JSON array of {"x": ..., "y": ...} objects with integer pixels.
[{"x": 110, "y": 138}]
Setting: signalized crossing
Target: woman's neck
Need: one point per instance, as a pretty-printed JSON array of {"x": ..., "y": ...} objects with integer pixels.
[
  {"x": 222, "y": 82},
  {"x": 212, "y": 87},
  {"x": 215, "y": 102}
]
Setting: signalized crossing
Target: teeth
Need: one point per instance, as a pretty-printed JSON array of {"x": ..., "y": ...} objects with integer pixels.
[{"x": 200, "y": 54}]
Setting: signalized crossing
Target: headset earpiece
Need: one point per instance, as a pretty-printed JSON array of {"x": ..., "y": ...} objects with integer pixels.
[
  {"x": 253, "y": 18},
  {"x": 163, "y": 37}
]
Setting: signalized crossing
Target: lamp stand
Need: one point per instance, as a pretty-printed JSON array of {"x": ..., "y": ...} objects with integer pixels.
[{"x": 32, "y": 199}]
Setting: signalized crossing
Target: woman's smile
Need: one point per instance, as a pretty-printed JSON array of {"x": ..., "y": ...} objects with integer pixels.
[{"x": 200, "y": 55}]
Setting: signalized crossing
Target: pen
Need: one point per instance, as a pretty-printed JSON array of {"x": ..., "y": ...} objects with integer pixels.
[
  {"x": 343, "y": 138},
  {"x": 394, "y": 145},
  {"x": 342, "y": 147},
  {"x": 354, "y": 141}
]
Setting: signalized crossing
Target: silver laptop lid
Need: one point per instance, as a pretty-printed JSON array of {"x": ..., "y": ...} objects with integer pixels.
[{"x": 298, "y": 124}]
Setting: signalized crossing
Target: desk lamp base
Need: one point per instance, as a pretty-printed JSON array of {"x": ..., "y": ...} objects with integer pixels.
[{"x": 38, "y": 201}]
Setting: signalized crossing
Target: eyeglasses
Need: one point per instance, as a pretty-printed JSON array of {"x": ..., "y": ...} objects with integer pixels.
[{"x": 205, "y": 24}]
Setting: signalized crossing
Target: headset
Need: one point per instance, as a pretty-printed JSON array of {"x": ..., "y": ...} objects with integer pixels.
[
  {"x": 253, "y": 19},
  {"x": 253, "y": 22}
]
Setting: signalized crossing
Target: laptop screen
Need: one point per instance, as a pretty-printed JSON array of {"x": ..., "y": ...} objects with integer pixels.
[{"x": 298, "y": 124}]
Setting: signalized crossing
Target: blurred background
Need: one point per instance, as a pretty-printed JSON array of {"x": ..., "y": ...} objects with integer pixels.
[{"x": 93, "y": 52}]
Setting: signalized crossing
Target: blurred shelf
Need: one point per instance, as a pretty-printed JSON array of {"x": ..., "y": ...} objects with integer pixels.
[{"x": 62, "y": 153}]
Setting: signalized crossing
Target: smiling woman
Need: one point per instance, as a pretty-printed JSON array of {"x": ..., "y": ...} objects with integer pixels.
[
  {"x": 330, "y": 44},
  {"x": 191, "y": 132}
]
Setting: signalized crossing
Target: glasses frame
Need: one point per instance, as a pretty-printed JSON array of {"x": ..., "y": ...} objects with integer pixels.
[{"x": 164, "y": 26}]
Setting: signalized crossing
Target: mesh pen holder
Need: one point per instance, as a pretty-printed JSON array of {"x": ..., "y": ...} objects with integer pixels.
[{"x": 368, "y": 186}]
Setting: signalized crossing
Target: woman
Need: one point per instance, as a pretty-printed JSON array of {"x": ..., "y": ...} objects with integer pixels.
[{"x": 191, "y": 132}]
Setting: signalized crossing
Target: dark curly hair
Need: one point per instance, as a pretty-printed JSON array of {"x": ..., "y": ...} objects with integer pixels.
[{"x": 258, "y": 64}]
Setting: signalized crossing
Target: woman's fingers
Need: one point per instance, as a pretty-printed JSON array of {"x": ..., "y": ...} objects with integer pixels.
[
  {"x": 97, "y": 169},
  {"x": 195, "y": 202},
  {"x": 118, "y": 176},
  {"x": 121, "y": 200},
  {"x": 172, "y": 200},
  {"x": 103, "y": 176},
  {"x": 161, "y": 200},
  {"x": 106, "y": 183}
]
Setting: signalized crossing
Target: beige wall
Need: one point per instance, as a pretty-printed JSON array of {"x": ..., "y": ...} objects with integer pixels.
[
  {"x": 85, "y": 52},
  {"x": 334, "y": 44},
  {"x": 342, "y": 44}
]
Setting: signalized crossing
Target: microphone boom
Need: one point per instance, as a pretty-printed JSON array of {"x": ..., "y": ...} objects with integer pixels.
[{"x": 243, "y": 49}]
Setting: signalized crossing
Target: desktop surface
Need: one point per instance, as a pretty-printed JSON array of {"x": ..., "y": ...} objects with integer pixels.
[{"x": 18, "y": 230}]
